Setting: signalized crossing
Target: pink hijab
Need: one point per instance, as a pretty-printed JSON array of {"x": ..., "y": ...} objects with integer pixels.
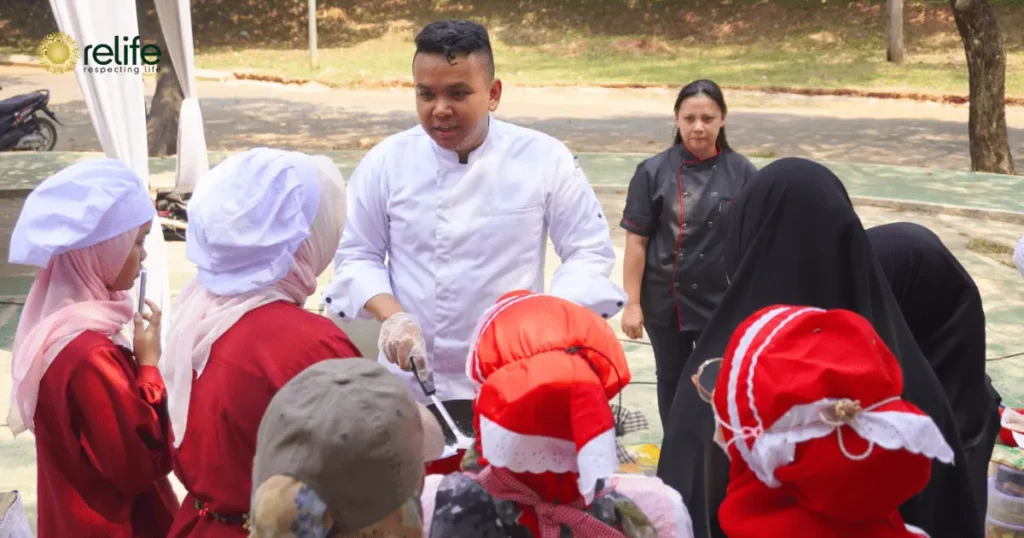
[
  {"x": 79, "y": 227},
  {"x": 204, "y": 316},
  {"x": 68, "y": 297}
]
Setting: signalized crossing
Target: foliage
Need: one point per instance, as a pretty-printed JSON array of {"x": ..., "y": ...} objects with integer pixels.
[
  {"x": 796, "y": 43},
  {"x": 826, "y": 24}
]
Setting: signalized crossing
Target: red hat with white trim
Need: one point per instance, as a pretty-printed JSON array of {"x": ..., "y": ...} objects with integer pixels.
[
  {"x": 546, "y": 368},
  {"x": 809, "y": 410}
]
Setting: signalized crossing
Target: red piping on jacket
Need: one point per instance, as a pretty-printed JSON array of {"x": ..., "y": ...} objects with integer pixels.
[
  {"x": 682, "y": 220},
  {"x": 631, "y": 223}
]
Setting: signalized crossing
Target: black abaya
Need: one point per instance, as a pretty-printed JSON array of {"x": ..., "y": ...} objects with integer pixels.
[
  {"x": 794, "y": 238},
  {"x": 943, "y": 309}
]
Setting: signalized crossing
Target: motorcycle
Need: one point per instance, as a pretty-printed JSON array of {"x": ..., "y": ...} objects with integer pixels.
[{"x": 22, "y": 128}]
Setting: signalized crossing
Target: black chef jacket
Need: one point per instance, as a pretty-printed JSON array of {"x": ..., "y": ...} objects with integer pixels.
[{"x": 679, "y": 203}]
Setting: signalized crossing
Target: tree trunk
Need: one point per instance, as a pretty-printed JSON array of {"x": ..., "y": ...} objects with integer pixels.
[
  {"x": 162, "y": 119},
  {"x": 986, "y": 66},
  {"x": 894, "y": 31}
]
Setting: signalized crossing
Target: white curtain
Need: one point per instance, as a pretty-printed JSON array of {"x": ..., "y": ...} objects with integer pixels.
[
  {"x": 176, "y": 22},
  {"x": 117, "y": 106}
]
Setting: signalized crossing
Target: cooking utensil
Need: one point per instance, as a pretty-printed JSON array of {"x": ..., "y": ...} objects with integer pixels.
[{"x": 457, "y": 440}]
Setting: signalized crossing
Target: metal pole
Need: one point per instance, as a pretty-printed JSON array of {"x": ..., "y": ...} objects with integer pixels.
[{"x": 312, "y": 34}]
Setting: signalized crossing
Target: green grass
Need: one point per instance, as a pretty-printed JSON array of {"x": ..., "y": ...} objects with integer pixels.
[
  {"x": 992, "y": 249},
  {"x": 814, "y": 44},
  {"x": 598, "y": 62},
  {"x": 825, "y": 44}
]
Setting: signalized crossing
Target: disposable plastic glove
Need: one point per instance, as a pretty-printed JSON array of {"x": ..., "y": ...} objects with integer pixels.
[{"x": 401, "y": 341}]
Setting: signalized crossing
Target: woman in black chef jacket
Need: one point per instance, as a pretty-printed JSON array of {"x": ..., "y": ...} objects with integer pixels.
[{"x": 674, "y": 218}]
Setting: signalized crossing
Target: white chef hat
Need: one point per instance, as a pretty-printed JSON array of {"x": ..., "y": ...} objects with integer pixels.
[
  {"x": 84, "y": 204},
  {"x": 249, "y": 215}
]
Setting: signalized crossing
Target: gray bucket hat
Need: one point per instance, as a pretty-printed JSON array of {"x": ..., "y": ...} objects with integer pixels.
[{"x": 346, "y": 437}]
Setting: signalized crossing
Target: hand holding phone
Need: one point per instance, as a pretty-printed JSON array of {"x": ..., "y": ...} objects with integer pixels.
[
  {"x": 147, "y": 329},
  {"x": 142, "y": 290}
]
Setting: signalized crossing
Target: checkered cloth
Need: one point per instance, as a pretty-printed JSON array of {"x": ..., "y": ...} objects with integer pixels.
[
  {"x": 626, "y": 421},
  {"x": 501, "y": 484}
]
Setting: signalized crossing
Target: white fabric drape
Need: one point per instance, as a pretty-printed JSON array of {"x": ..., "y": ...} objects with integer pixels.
[
  {"x": 13, "y": 523},
  {"x": 176, "y": 22},
  {"x": 117, "y": 107}
]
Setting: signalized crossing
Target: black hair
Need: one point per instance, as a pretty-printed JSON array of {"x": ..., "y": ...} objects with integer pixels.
[
  {"x": 710, "y": 89},
  {"x": 454, "y": 38}
]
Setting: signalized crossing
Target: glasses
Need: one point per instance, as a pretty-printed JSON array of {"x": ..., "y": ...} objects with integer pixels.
[{"x": 705, "y": 379}]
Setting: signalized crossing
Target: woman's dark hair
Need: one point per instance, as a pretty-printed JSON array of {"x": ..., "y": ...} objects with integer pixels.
[{"x": 710, "y": 89}]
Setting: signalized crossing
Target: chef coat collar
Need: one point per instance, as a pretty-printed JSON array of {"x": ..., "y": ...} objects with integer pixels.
[
  {"x": 690, "y": 159},
  {"x": 450, "y": 159}
]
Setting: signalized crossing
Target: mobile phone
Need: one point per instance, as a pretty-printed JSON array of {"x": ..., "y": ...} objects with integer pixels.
[{"x": 142, "y": 290}]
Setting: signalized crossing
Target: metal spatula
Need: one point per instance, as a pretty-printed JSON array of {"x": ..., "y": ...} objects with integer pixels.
[{"x": 426, "y": 381}]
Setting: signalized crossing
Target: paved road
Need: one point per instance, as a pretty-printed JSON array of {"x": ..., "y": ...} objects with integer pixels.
[{"x": 241, "y": 114}]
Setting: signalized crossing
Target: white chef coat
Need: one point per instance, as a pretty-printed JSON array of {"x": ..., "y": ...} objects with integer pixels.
[{"x": 459, "y": 236}]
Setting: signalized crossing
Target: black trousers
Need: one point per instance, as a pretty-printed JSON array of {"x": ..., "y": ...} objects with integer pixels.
[{"x": 672, "y": 348}]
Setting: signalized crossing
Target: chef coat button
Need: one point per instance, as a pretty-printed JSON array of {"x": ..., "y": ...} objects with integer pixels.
[
  {"x": 341, "y": 314},
  {"x": 701, "y": 256},
  {"x": 600, "y": 216},
  {"x": 619, "y": 304},
  {"x": 711, "y": 224},
  {"x": 686, "y": 194},
  {"x": 327, "y": 300},
  {"x": 693, "y": 286},
  {"x": 686, "y": 225},
  {"x": 605, "y": 316}
]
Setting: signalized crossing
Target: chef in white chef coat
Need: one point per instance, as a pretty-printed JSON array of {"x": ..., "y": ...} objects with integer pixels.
[{"x": 461, "y": 207}]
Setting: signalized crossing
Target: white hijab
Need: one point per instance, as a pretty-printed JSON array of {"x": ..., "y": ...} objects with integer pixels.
[{"x": 263, "y": 226}]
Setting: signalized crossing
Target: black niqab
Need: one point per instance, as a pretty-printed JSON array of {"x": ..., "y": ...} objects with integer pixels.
[
  {"x": 794, "y": 239},
  {"x": 943, "y": 309}
]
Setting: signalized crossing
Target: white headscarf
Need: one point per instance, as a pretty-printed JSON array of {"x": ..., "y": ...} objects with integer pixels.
[{"x": 262, "y": 226}]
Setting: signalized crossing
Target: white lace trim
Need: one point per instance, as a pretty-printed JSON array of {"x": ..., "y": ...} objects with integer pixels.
[
  {"x": 473, "y": 360},
  {"x": 734, "y": 374},
  {"x": 891, "y": 430},
  {"x": 523, "y": 453},
  {"x": 597, "y": 460},
  {"x": 776, "y": 447},
  {"x": 757, "y": 356}
]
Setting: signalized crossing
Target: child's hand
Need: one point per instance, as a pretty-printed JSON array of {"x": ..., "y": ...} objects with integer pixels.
[{"x": 147, "y": 338}]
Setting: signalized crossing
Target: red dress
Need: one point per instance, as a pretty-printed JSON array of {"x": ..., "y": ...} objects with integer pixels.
[
  {"x": 248, "y": 365},
  {"x": 102, "y": 445}
]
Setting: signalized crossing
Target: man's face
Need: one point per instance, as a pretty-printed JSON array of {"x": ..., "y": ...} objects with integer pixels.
[{"x": 453, "y": 101}]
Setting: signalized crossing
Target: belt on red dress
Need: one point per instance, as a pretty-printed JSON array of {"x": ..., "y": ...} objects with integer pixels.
[{"x": 230, "y": 519}]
